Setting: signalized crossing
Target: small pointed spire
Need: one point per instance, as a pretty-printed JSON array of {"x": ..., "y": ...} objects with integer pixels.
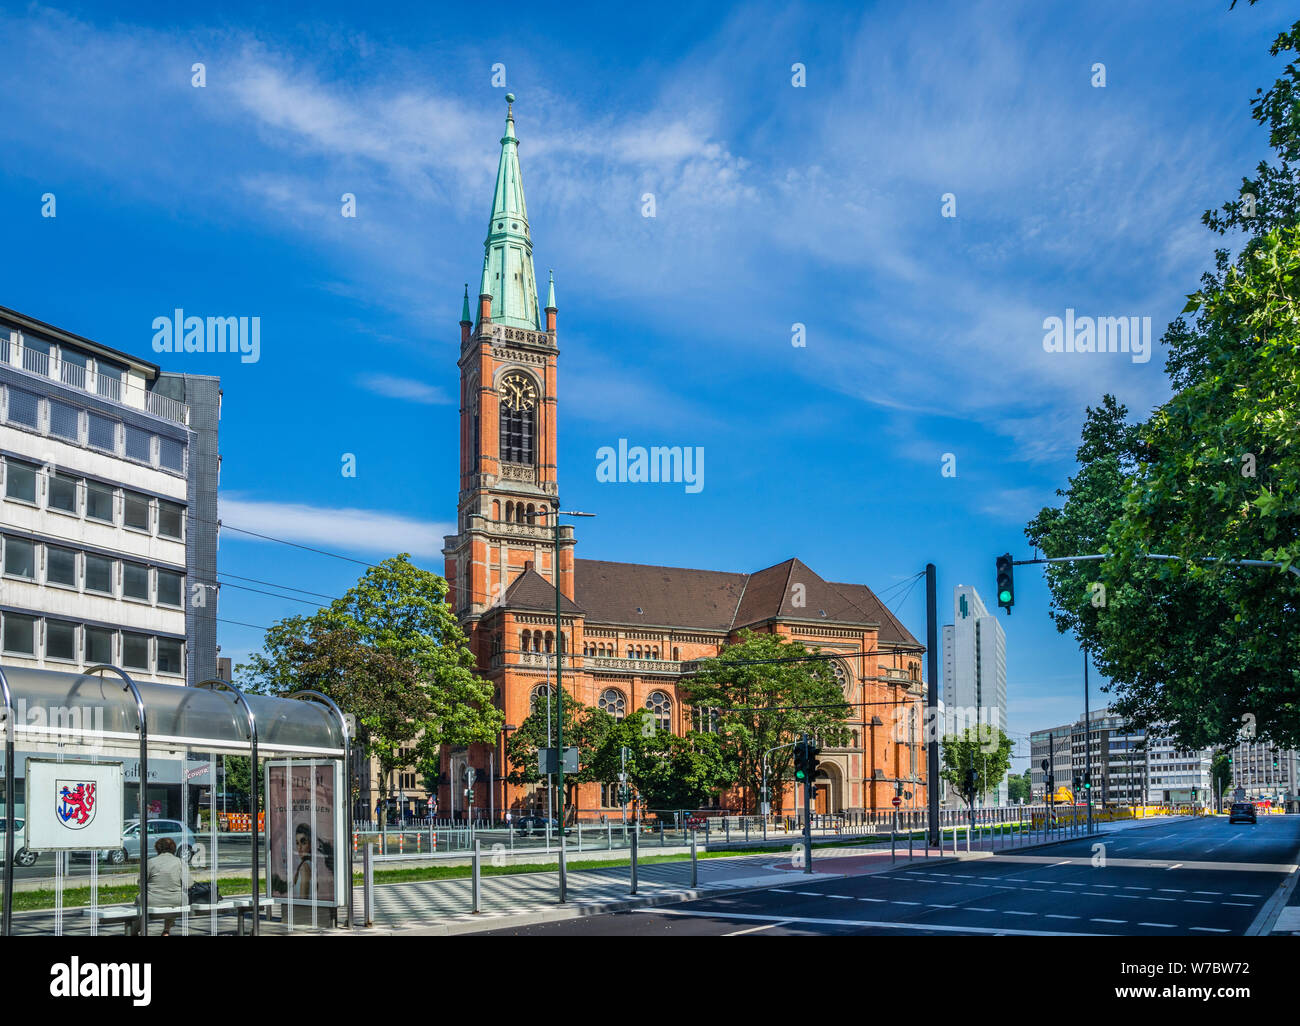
[
  {"x": 464, "y": 307},
  {"x": 550, "y": 292}
]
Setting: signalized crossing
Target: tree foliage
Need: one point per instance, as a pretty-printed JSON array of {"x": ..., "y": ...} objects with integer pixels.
[
  {"x": 1193, "y": 647},
  {"x": 389, "y": 652},
  {"x": 986, "y": 750},
  {"x": 767, "y": 693}
]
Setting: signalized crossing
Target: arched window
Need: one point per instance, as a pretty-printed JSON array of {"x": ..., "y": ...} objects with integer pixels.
[
  {"x": 537, "y": 698},
  {"x": 613, "y": 702},
  {"x": 532, "y": 512},
  {"x": 676, "y": 657},
  {"x": 629, "y": 651},
  {"x": 525, "y": 638},
  {"x": 661, "y": 708},
  {"x": 656, "y": 655},
  {"x": 510, "y": 511},
  {"x": 841, "y": 676},
  {"x": 537, "y": 641},
  {"x": 516, "y": 436},
  {"x": 550, "y": 641},
  {"x": 638, "y": 651},
  {"x": 496, "y": 509},
  {"x": 563, "y": 645}
]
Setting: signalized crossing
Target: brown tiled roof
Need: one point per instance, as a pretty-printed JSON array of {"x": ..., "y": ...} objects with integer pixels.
[
  {"x": 667, "y": 596},
  {"x": 530, "y": 590},
  {"x": 891, "y": 628},
  {"x": 631, "y": 593}
]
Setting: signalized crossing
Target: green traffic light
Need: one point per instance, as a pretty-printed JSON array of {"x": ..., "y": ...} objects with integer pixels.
[{"x": 1004, "y": 596}]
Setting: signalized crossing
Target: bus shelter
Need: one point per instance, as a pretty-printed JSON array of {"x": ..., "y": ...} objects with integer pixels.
[{"x": 251, "y": 791}]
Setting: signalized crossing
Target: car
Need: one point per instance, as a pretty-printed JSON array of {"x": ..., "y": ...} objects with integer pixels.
[
  {"x": 22, "y": 856},
  {"x": 537, "y": 826},
  {"x": 158, "y": 828},
  {"x": 1244, "y": 811}
]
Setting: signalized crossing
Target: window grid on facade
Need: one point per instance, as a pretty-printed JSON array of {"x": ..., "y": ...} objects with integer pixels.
[
  {"x": 516, "y": 436},
  {"x": 661, "y": 708}
]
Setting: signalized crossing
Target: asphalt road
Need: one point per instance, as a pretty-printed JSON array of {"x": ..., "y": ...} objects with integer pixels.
[{"x": 1201, "y": 877}]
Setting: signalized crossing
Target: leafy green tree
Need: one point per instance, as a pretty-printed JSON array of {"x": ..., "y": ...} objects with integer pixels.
[
  {"x": 666, "y": 771},
  {"x": 585, "y": 728},
  {"x": 1221, "y": 775},
  {"x": 390, "y": 652},
  {"x": 765, "y": 692},
  {"x": 986, "y": 750},
  {"x": 1019, "y": 788},
  {"x": 1192, "y": 648}
]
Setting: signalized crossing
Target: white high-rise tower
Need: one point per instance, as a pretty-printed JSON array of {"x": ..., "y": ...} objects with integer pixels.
[{"x": 975, "y": 671}]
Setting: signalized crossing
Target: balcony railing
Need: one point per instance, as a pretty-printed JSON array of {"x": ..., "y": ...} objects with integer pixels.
[{"x": 101, "y": 383}]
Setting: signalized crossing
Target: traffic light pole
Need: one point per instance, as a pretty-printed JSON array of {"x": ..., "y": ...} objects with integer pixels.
[
  {"x": 932, "y": 675},
  {"x": 1087, "y": 742},
  {"x": 807, "y": 815}
]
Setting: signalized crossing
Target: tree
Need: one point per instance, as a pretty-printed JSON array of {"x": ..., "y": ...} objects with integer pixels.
[
  {"x": 975, "y": 760},
  {"x": 762, "y": 692},
  {"x": 667, "y": 772},
  {"x": 390, "y": 652},
  {"x": 585, "y": 728},
  {"x": 1193, "y": 649},
  {"x": 1019, "y": 788}
]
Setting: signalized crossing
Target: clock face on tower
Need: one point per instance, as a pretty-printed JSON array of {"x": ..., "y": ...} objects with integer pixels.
[{"x": 517, "y": 392}]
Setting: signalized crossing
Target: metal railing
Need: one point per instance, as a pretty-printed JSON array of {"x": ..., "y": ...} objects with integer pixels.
[{"x": 99, "y": 382}]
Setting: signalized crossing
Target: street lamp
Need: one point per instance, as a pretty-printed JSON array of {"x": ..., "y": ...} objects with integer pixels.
[{"x": 559, "y": 685}]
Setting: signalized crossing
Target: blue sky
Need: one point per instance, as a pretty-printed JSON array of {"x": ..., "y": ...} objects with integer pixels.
[{"x": 775, "y": 205}]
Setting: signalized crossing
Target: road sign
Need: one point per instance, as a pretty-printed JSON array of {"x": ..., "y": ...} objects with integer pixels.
[
  {"x": 548, "y": 760},
  {"x": 896, "y": 801}
]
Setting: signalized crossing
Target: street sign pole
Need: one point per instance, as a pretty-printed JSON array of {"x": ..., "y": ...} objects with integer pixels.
[{"x": 935, "y": 696}]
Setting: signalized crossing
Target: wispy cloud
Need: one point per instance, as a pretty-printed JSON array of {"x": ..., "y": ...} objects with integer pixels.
[
  {"x": 404, "y": 388},
  {"x": 346, "y": 529}
]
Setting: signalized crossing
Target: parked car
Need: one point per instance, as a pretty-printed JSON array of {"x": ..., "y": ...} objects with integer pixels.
[
  {"x": 1244, "y": 811},
  {"x": 22, "y": 857},
  {"x": 536, "y": 826},
  {"x": 173, "y": 828}
]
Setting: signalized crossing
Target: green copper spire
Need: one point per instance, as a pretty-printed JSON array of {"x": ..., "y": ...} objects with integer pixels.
[
  {"x": 508, "y": 274},
  {"x": 464, "y": 307},
  {"x": 550, "y": 293}
]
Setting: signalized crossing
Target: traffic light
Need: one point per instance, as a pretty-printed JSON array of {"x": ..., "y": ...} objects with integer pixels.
[
  {"x": 1077, "y": 783},
  {"x": 801, "y": 761},
  {"x": 1006, "y": 583},
  {"x": 1087, "y": 781},
  {"x": 810, "y": 761}
]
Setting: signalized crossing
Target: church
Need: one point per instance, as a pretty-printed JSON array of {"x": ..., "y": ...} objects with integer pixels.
[{"x": 629, "y": 631}]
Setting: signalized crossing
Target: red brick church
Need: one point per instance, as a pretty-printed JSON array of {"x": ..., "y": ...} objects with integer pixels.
[{"x": 628, "y": 629}]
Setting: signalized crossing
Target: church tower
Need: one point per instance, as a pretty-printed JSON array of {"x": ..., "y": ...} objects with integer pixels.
[{"x": 508, "y": 356}]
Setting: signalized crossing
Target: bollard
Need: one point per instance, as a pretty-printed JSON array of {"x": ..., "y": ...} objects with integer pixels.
[
  {"x": 662, "y": 840},
  {"x": 746, "y": 829},
  {"x": 367, "y": 884},
  {"x": 579, "y": 835},
  {"x": 476, "y": 869},
  {"x": 893, "y": 857},
  {"x": 635, "y": 831},
  {"x": 726, "y": 829},
  {"x": 695, "y": 862},
  {"x": 609, "y": 835},
  {"x": 909, "y": 842}
]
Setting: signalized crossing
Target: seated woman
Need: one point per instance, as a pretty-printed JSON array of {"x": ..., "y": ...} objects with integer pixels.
[{"x": 168, "y": 882}]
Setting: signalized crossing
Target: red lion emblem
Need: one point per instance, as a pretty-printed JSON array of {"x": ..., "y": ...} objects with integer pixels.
[{"x": 77, "y": 804}]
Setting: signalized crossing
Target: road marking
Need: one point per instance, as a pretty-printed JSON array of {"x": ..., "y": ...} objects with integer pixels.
[
  {"x": 872, "y": 899},
  {"x": 1152, "y": 897},
  {"x": 905, "y": 903},
  {"x": 1067, "y": 882},
  {"x": 940, "y": 906},
  {"x": 1166, "y": 926},
  {"x": 1215, "y": 893},
  {"x": 1237, "y": 904},
  {"x": 1053, "y": 915},
  {"x": 1022, "y": 913},
  {"x": 811, "y": 894},
  {"x": 1197, "y": 901},
  {"x": 1093, "y": 894},
  {"x": 1055, "y": 864},
  {"x": 782, "y": 890},
  {"x": 972, "y": 908},
  {"x": 753, "y": 929},
  {"x": 1210, "y": 929},
  {"x": 883, "y": 925},
  {"x": 841, "y": 897},
  {"x": 1172, "y": 890},
  {"x": 1114, "y": 921},
  {"x": 1236, "y": 895},
  {"x": 1176, "y": 865}
]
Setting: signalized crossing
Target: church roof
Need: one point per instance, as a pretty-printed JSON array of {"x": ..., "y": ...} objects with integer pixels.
[
  {"x": 508, "y": 273},
  {"x": 530, "y": 590},
  {"x": 631, "y": 593}
]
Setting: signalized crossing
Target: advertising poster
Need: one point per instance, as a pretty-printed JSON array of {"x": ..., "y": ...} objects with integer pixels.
[
  {"x": 73, "y": 806},
  {"x": 301, "y": 837}
]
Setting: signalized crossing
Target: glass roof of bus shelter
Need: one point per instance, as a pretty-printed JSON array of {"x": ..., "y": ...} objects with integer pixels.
[{"x": 100, "y": 707}]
